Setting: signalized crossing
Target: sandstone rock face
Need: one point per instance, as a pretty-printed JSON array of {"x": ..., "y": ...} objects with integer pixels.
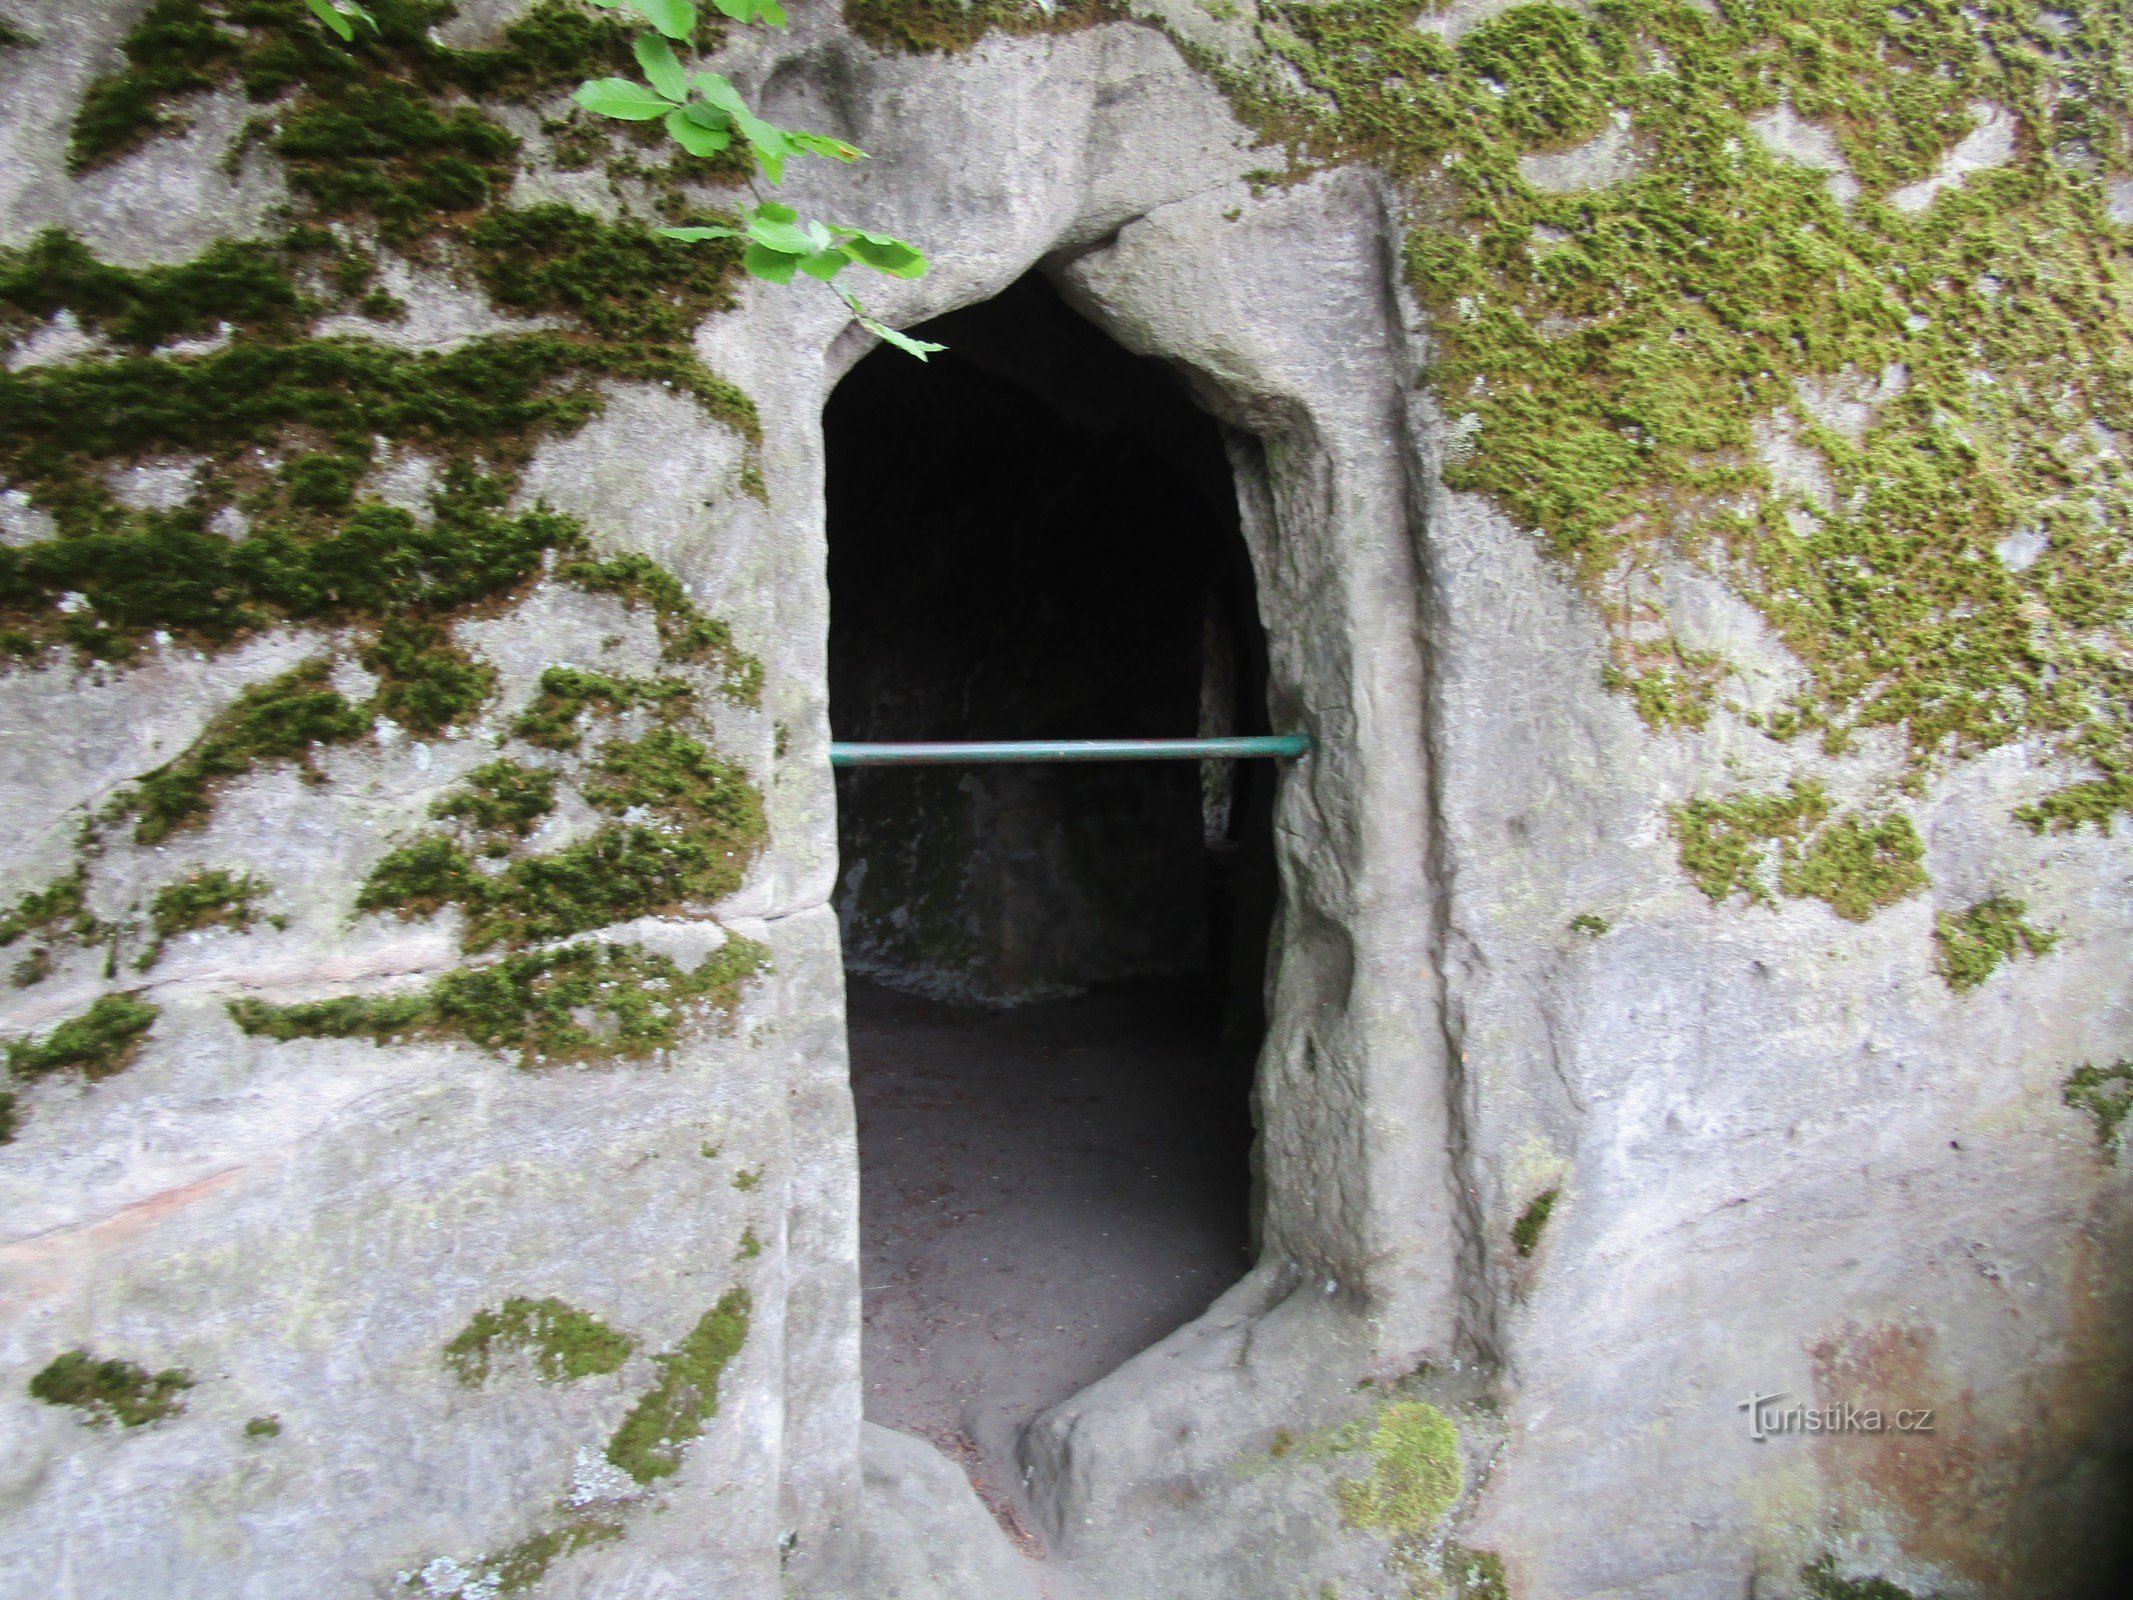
[{"x": 1776, "y": 1154}]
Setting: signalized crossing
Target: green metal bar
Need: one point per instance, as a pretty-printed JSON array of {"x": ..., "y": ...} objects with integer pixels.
[{"x": 996, "y": 750}]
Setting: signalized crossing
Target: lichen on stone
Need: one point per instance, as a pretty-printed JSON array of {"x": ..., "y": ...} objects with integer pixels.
[
  {"x": 650, "y": 1442},
  {"x": 565, "y": 1343},
  {"x": 107, "y": 1391},
  {"x": 1973, "y": 943}
]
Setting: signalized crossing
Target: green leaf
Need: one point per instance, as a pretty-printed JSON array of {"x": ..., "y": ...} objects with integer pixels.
[
  {"x": 884, "y": 254},
  {"x": 903, "y": 341},
  {"x": 772, "y": 211},
  {"x": 699, "y": 235},
  {"x": 623, "y": 100},
  {"x": 333, "y": 17},
  {"x": 674, "y": 18},
  {"x": 661, "y": 67},
  {"x": 771, "y": 143},
  {"x": 717, "y": 88},
  {"x": 772, "y": 266},
  {"x": 821, "y": 144},
  {"x": 753, "y": 11},
  {"x": 694, "y": 137},
  {"x": 882, "y": 331},
  {"x": 772, "y": 234},
  {"x": 826, "y": 264}
]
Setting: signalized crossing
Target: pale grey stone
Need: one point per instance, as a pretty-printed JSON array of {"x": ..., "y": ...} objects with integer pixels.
[
  {"x": 1609, "y": 157},
  {"x": 1990, "y": 144},
  {"x": 927, "y": 1535},
  {"x": 1784, "y": 132}
]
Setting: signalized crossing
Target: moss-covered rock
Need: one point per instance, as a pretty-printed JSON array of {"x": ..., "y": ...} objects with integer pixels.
[
  {"x": 108, "y": 1391},
  {"x": 581, "y": 1002},
  {"x": 564, "y": 1342},
  {"x": 100, "y": 1043},
  {"x": 651, "y": 1440}
]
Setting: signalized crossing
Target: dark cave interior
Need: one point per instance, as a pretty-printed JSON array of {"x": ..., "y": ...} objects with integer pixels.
[{"x": 1055, "y": 972}]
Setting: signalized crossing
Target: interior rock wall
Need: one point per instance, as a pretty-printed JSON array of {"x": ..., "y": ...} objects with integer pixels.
[
  {"x": 1785, "y": 1156},
  {"x": 1028, "y": 538}
]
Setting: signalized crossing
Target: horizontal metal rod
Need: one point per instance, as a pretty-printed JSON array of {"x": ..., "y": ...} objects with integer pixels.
[{"x": 996, "y": 750}]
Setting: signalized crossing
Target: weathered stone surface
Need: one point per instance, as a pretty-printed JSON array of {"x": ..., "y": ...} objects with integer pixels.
[{"x": 1787, "y": 1158}]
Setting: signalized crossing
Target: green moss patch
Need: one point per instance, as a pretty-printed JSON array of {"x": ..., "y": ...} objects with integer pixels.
[
  {"x": 2092, "y": 801},
  {"x": 618, "y": 279},
  {"x": 263, "y": 1428},
  {"x": 519, "y": 1567},
  {"x": 210, "y": 899},
  {"x": 57, "y": 911},
  {"x": 1857, "y": 866},
  {"x": 685, "y": 633},
  {"x": 1526, "y": 1231},
  {"x": 691, "y": 827},
  {"x": 1973, "y": 943},
  {"x": 566, "y": 694},
  {"x": 1475, "y": 1574},
  {"x": 652, "y": 1439},
  {"x": 1824, "y": 1584},
  {"x": 580, "y": 1003},
  {"x": 564, "y": 1342},
  {"x": 10, "y": 1119},
  {"x": 182, "y": 48},
  {"x": 283, "y": 719},
  {"x": 111, "y": 1391},
  {"x": 244, "y": 283},
  {"x": 1417, "y": 1473},
  {"x": 99, "y": 1043},
  {"x": 1610, "y": 352},
  {"x": 426, "y": 682},
  {"x": 502, "y": 798},
  {"x": 213, "y": 898},
  {"x": 2105, "y": 1093},
  {"x": 949, "y": 27},
  {"x": 1763, "y": 845}
]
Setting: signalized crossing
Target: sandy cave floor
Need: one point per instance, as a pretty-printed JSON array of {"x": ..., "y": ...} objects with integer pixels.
[{"x": 1044, "y": 1192}]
